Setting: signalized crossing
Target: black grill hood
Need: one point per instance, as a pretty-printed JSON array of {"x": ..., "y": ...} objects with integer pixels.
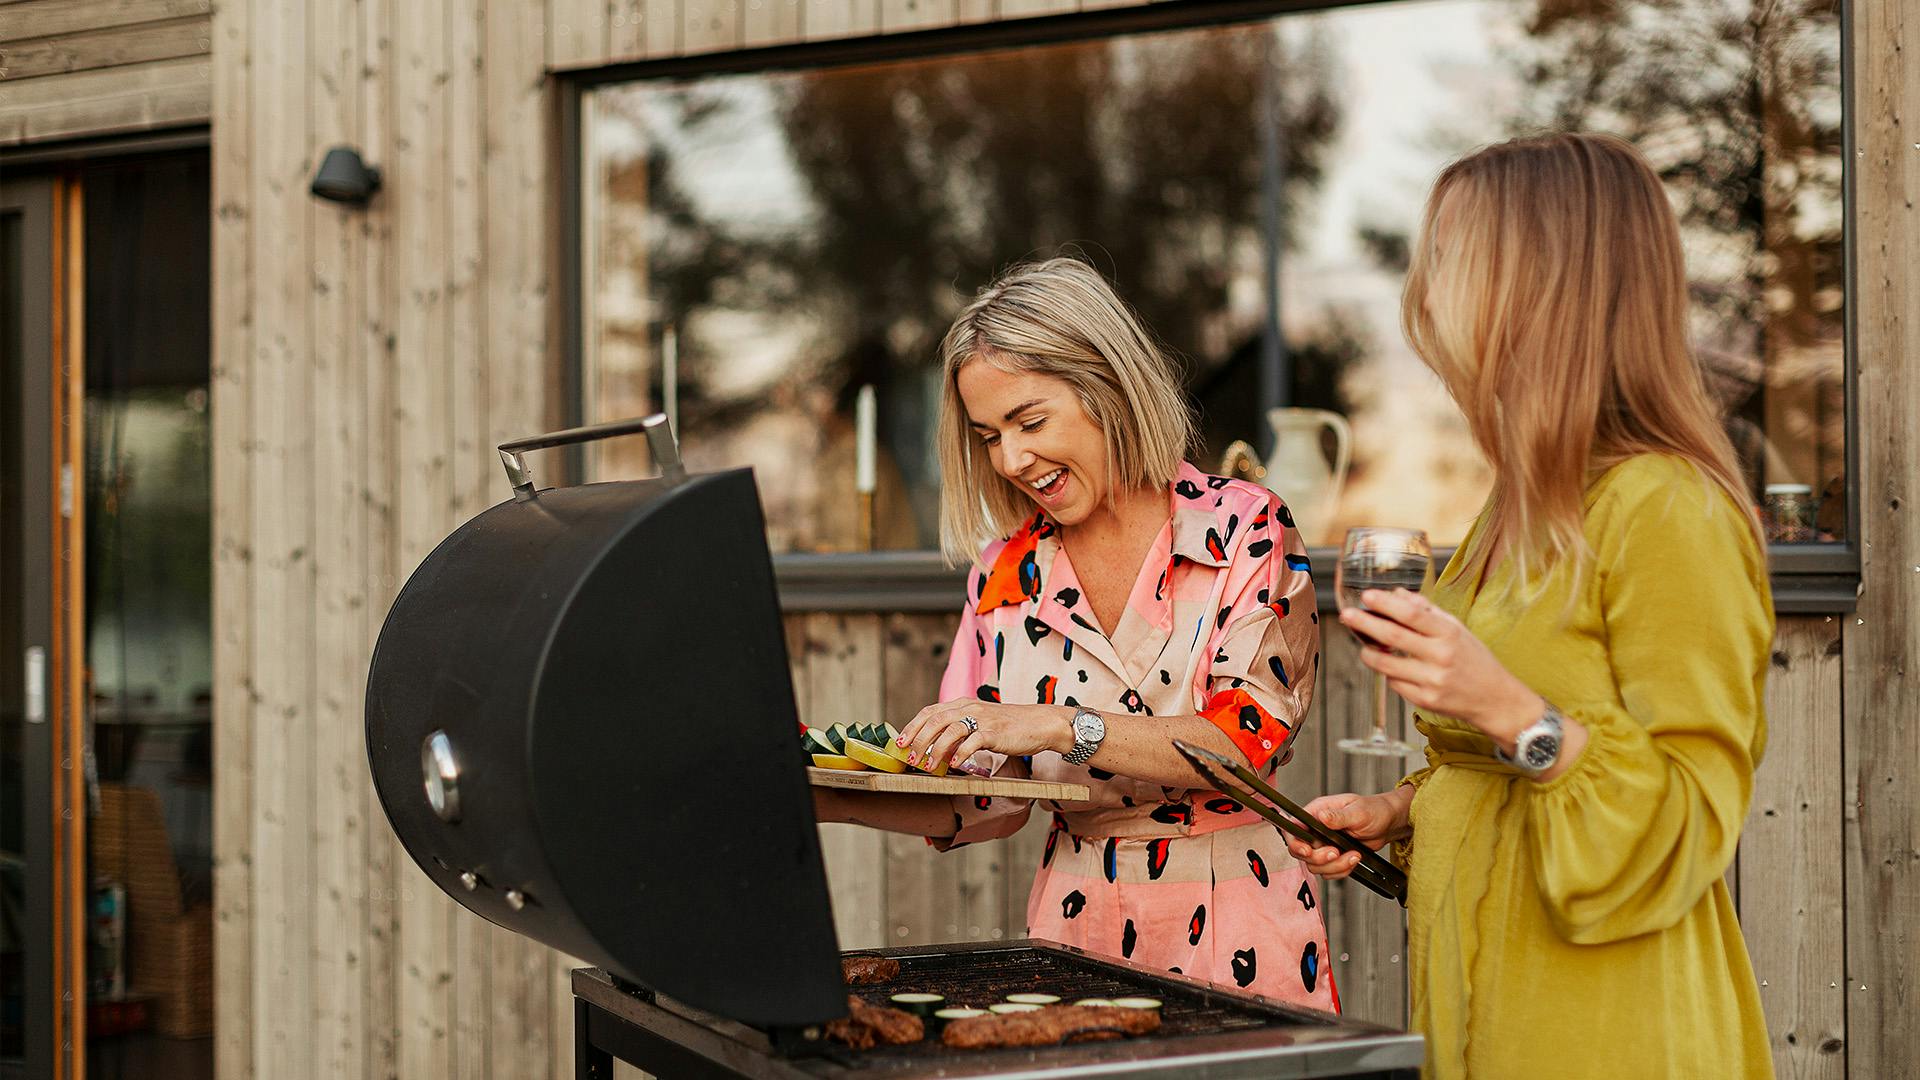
[{"x": 607, "y": 668}]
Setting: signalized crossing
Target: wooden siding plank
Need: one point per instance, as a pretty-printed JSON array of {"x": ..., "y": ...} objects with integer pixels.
[
  {"x": 522, "y": 1038},
  {"x": 340, "y": 632},
  {"x": 166, "y": 93},
  {"x": 283, "y": 530},
  {"x": 975, "y": 11},
  {"x": 919, "y": 879},
  {"x": 709, "y": 25},
  {"x": 1882, "y": 697},
  {"x": 1790, "y": 856},
  {"x": 58, "y": 18},
  {"x": 1026, "y": 9},
  {"x": 467, "y": 360},
  {"x": 844, "y": 658},
  {"x": 626, "y": 29},
  {"x": 417, "y": 196},
  {"x": 822, "y": 20},
  {"x": 104, "y": 48},
  {"x": 232, "y": 461},
  {"x": 577, "y": 32},
  {"x": 897, "y": 16},
  {"x": 380, "y": 968},
  {"x": 769, "y": 22},
  {"x": 1370, "y": 951}
]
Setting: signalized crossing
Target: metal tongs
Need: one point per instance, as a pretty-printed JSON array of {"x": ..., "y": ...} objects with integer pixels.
[{"x": 1374, "y": 872}]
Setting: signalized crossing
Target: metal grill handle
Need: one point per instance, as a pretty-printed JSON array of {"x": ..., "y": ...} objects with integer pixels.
[{"x": 666, "y": 449}]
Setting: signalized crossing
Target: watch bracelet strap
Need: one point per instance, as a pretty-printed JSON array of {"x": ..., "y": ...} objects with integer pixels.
[{"x": 1550, "y": 716}]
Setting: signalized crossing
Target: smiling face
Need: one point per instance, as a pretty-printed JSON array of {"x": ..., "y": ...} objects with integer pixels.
[{"x": 1038, "y": 436}]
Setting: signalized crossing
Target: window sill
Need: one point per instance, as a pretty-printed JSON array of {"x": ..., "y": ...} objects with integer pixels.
[{"x": 1808, "y": 579}]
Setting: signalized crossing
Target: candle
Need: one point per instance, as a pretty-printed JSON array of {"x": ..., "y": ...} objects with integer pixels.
[
  {"x": 670, "y": 377},
  {"x": 863, "y": 436}
]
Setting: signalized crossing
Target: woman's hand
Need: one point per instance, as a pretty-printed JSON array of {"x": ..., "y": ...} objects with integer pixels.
[
  {"x": 940, "y": 732},
  {"x": 1374, "y": 820},
  {"x": 1442, "y": 667}
]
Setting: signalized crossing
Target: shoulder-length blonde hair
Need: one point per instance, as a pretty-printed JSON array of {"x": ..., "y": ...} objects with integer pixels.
[
  {"x": 1549, "y": 292},
  {"x": 1059, "y": 318}
]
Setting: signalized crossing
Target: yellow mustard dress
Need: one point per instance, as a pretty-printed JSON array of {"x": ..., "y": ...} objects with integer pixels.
[{"x": 1581, "y": 927}]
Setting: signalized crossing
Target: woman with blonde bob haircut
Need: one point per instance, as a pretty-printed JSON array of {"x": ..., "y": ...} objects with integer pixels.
[
  {"x": 1121, "y": 599},
  {"x": 1589, "y": 669}
]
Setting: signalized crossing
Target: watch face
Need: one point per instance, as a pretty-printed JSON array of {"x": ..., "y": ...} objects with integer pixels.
[
  {"x": 1088, "y": 727},
  {"x": 1541, "y": 751}
]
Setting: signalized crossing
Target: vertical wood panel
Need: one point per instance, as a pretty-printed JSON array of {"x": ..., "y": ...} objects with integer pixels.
[
  {"x": 1022, "y": 9},
  {"x": 920, "y": 880},
  {"x": 1882, "y": 701},
  {"x": 283, "y": 596},
  {"x": 1370, "y": 946},
  {"x": 340, "y": 633},
  {"x": 825, "y": 19},
  {"x": 709, "y": 25},
  {"x": 1790, "y": 856},
  {"x": 770, "y": 22},
  {"x": 577, "y": 32},
  {"x": 418, "y": 194},
  {"x": 844, "y": 657},
  {"x": 232, "y": 482},
  {"x": 900, "y": 15}
]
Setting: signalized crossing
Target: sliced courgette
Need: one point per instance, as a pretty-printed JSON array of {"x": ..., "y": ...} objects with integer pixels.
[
  {"x": 918, "y": 1004},
  {"x": 1012, "y": 1007},
  {"x": 817, "y": 742},
  {"x": 837, "y": 738},
  {"x": 892, "y": 745},
  {"x": 1137, "y": 1002},
  {"x": 1034, "y": 999},
  {"x": 1095, "y": 1002},
  {"x": 835, "y": 761}
]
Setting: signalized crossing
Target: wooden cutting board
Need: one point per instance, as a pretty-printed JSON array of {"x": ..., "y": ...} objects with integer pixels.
[{"x": 922, "y": 784}]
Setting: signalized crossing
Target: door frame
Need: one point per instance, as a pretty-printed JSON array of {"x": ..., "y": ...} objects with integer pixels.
[{"x": 50, "y": 386}]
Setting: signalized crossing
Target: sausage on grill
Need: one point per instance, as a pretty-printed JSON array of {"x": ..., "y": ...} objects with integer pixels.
[
  {"x": 868, "y": 970},
  {"x": 866, "y": 1025},
  {"x": 1049, "y": 1026}
]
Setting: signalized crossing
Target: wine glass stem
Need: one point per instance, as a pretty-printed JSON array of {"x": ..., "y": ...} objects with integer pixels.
[{"x": 1379, "y": 707}]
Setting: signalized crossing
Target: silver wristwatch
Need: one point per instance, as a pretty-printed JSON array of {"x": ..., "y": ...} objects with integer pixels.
[
  {"x": 1088, "y": 730},
  {"x": 1537, "y": 747}
]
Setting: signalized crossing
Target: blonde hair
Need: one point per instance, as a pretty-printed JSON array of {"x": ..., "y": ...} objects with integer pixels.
[
  {"x": 1559, "y": 324},
  {"x": 1059, "y": 318}
]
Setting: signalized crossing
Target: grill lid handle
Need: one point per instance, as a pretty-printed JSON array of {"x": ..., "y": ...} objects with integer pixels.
[{"x": 666, "y": 450}]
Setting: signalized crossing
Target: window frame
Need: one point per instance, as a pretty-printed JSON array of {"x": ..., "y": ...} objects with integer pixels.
[{"x": 1805, "y": 578}]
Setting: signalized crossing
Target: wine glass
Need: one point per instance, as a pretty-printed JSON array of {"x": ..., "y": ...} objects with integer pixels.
[{"x": 1380, "y": 558}]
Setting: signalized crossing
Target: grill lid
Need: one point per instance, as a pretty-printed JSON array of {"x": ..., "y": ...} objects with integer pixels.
[{"x": 580, "y": 722}]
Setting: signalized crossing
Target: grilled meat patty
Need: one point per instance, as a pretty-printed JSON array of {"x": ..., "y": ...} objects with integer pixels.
[
  {"x": 1049, "y": 1026},
  {"x": 868, "y": 970},
  {"x": 867, "y": 1025}
]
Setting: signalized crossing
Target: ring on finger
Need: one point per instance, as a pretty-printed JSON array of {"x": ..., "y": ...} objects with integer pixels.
[{"x": 973, "y": 726}]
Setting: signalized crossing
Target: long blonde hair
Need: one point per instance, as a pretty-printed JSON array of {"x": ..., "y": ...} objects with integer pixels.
[
  {"x": 1060, "y": 318},
  {"x": 1558, "y": 322}
]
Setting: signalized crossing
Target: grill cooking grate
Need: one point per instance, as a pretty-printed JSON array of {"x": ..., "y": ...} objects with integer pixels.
[{"x": 981, "y": 977}]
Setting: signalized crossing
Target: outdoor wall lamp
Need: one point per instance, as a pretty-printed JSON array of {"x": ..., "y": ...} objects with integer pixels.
[{"x": 344, "y": 178}]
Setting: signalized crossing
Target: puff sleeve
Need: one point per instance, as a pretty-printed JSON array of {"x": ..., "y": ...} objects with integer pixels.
[{"x": 1640, "y": 826}]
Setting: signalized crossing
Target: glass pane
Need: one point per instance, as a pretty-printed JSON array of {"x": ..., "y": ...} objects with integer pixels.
[
  {"x": 759, "y": 247},
  {"x": 148, "y": 637}
]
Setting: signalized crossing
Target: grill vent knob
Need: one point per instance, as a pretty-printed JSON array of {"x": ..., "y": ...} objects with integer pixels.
[
  {"x": 442, "y": 776},
  {"x": 470, "y": 879},
  {"x": 516, "y": 899}
]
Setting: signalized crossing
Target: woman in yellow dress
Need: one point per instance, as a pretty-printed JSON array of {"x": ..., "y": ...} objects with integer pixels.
[{"x": 1589, "y": 669}]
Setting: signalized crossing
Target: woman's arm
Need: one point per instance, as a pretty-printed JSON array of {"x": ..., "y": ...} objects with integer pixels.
[
  {"x": 919, "y": 815},
  {"x": 1136, "y": 747}
]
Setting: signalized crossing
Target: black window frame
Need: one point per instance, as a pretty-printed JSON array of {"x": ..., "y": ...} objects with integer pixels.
[{"x": 1805, "y": 578}]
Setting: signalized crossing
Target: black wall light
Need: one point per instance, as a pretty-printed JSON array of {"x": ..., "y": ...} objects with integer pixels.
[{"x": 344, "y": 178}]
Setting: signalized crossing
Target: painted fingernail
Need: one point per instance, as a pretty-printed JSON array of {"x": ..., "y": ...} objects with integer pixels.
[{"x": 901, "y": 741}]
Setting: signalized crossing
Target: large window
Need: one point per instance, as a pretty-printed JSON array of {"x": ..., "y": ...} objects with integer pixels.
[{"x": 757, "y": 247}]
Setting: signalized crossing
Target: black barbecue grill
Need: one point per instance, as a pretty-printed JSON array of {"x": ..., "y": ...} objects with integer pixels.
[{"x": 581, "y": 726}]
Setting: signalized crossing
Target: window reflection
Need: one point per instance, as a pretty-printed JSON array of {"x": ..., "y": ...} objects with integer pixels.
[{"x": 758, "y": 247}]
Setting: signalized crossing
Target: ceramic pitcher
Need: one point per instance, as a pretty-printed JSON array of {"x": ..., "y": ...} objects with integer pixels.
[{"x": 1299, "y": 470}]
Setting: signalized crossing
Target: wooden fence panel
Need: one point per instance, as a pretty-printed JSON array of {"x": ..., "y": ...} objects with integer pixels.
[{"x": 1790, "y": 856}]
